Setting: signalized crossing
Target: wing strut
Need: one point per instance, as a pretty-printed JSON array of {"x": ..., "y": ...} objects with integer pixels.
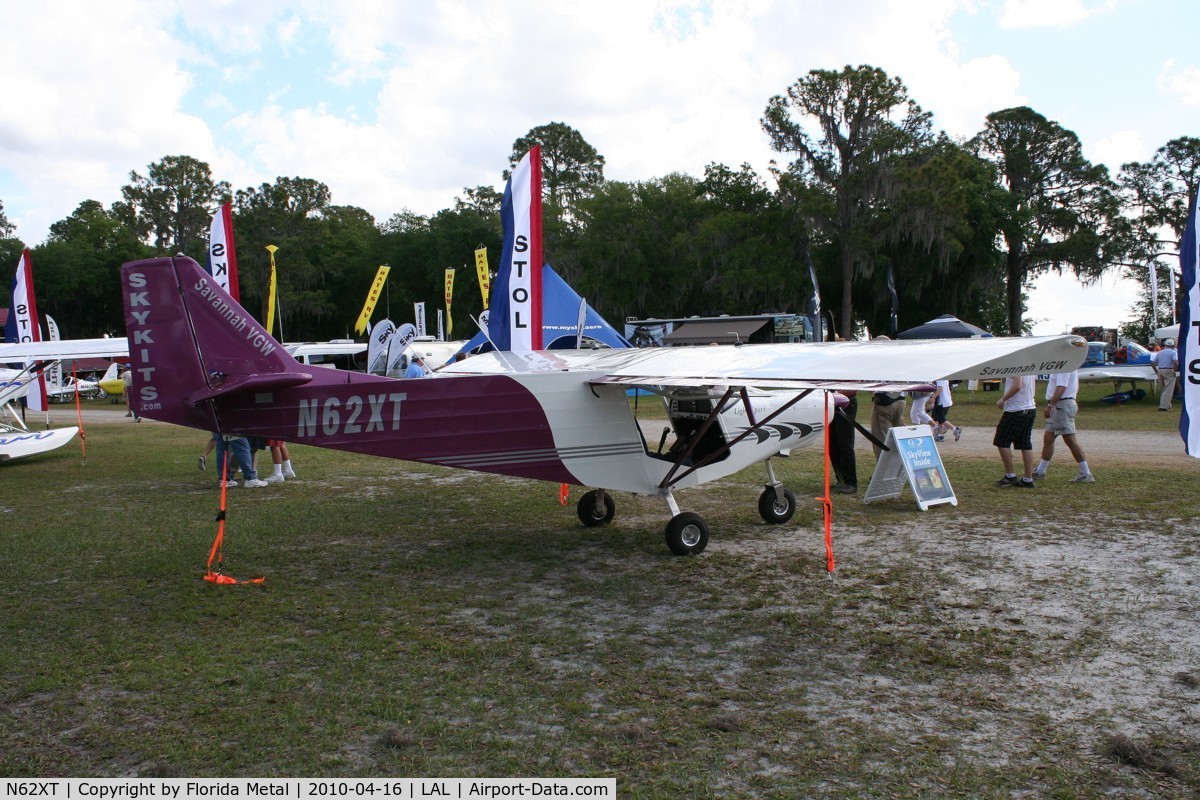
[{"x": 671, "y": 478}]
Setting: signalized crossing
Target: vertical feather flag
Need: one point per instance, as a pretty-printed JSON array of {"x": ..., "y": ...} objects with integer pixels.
[
  {"x": 1189, "y": 339},
  {"x": 515, "y": 321},
  {"x": 481, "y": 271},
  {"x": 364, "y": 316},
  {"x": 222, "y": 255},
  {"x": 23, "y": 326},
  {"x": 813, "y": 309},
  {"x": 271, "y": 292},
  {"x": 1153, "y": 295},
  {"x": 449, "y": 297},
  {"x": 419, "y": 317},
  {"x": 891, "y": 284}
]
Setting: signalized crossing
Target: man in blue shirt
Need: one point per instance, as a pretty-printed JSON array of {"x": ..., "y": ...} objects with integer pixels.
[
  {"x": 1166, "y": 364},
  {"x": 416, "y": 366}
]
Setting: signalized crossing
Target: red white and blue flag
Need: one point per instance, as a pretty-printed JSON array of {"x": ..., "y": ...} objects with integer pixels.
[
  {"x": 515, "y": 320},
  {"x": 222, "y": 255},
  {"x": 22, "y": 325},
  {"x": 1189, "y": 336}
]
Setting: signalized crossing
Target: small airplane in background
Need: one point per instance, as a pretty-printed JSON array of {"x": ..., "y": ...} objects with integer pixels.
[
  {"x": 16, "y": 440},
  {"x": 200, "y": 360}
]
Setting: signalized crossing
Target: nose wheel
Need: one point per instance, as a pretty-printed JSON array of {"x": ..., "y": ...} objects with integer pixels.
[{"x": 687, "y": 534}]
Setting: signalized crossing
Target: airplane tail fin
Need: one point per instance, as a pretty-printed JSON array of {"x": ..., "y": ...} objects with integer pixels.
[{"x": 191, "y": 342}]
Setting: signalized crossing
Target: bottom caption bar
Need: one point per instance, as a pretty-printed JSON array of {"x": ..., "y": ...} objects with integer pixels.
[{"x": 304, "y": 788}]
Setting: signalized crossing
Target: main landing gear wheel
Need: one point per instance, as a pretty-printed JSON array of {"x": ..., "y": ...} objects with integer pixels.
[
  {"x": 594, "y": 511},
  {"x": 774, "y": 510},
  {"x": 687, "y": 534}
]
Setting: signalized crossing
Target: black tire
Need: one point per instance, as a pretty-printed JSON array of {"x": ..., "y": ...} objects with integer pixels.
[
  {"x": 589, "y": 513},
  {"x": 772, "y": 510},
  {"x": 687, "y": 534}
]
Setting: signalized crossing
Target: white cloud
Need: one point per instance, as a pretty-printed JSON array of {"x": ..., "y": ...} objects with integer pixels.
[
  {"x": 1058, "y": 303},
  {"x": 1181, "y": 82},
  {"x": 95, "y": 93},
  {"x": 1120, "y": 148},
  {"x": 1050, "y": 13},
  {"x": 402, "y": 104}
]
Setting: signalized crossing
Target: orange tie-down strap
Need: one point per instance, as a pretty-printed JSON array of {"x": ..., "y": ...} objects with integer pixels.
[
  {"x": 215, "y": 554},
  {"x": 827, "y": 501}
]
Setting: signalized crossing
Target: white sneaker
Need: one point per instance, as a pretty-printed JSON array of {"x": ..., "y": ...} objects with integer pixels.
[
  {"x": 228, "y": 484},
  {"x": 254, "y": 483},
  {"x": 1084, "y": 477},
  {"x": 274, "y": 478},
  {"x": 203, "y": 463},
  {"x": 287, "y": 473},
  {"x": 1039, "y": 476}
]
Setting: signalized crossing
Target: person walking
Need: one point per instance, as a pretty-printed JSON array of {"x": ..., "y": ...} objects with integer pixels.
[
  {"x": 232, "y": 447},
  {"x": 1166, "y": 367},
  {"x": 127, "y": 379},
  {"x": 918, "y": 413},
  {"x": 941, "y": 410},
  {"x": 1061, "y": 408},
  {"x": 281, "y": 461},
  {"x": 1015, "y": 429}
]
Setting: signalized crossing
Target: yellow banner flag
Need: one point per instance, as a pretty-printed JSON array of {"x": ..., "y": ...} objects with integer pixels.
[
  {"x": 364, "y": 317},
  {"x": 449, "y": 296},
  {"x": 271, "y": 290},
  {"x": 481, "y": 269}
]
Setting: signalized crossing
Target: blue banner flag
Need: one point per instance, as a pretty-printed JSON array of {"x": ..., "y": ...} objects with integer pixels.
[{"x": 1189, "y": 339}]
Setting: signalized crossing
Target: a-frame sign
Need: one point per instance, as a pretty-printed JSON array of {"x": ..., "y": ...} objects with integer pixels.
[{"x": 911, "y": 458}]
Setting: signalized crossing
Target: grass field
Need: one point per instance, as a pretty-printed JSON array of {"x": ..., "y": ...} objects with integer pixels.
[{"x": 421, "y": 622}]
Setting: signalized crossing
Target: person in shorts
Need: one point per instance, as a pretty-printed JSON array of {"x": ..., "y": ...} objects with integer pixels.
[
  {"x": 1061, "y": 408},
  {"x": 1015, "y": 429}
]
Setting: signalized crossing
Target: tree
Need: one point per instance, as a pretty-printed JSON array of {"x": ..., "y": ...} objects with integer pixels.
[
  {"x": 7, "y": 229},
  {"x": 626, "y": 258},
  {"x": 940, "y": 237},
  {"x": 572, "y": 171},
  {"x": 172, "y": 206},
  {"x": 1060, "y": 207},
  {"x": 865, "y": 119},
  {"x": 1155, "y": 197},
  {"x": 78, "y": 270},
  {"x": 290, "y": 214}
]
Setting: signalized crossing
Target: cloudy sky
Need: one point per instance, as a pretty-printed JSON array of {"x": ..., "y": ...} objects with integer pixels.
[{"x": 400, "y": 104}]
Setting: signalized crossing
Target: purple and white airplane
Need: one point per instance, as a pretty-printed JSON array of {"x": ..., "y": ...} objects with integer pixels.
[{"x": 202, "y": 361}]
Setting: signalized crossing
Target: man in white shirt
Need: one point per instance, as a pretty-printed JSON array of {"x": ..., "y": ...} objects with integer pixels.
[
  {"x": 1015, "y": 429},
  {"x": 1061, "y": 408}
]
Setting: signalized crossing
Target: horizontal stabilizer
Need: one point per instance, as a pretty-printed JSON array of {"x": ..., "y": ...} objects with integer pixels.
[{"x": 251, "y": 383}]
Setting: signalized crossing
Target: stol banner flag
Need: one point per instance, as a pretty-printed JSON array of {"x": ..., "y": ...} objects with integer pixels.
[
  {"x": 22, "y": 325},
  {"x": 1189, "y": 337},
  {"x": 222, "y": 256},
  {"x": 516, "y": 318},
  {"x": 449, "y": 297},
  {"x": 481, "y": 270},
  {"x": 364, "y": 316}
]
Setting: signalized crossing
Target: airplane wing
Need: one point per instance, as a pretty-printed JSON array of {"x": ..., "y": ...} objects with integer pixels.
[
  {"x": 64, "y": 349},
  {"x": 1118, "y": 372},
  {"x": 861, "y": 366},
  {"x": 325, "y": 349}
]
